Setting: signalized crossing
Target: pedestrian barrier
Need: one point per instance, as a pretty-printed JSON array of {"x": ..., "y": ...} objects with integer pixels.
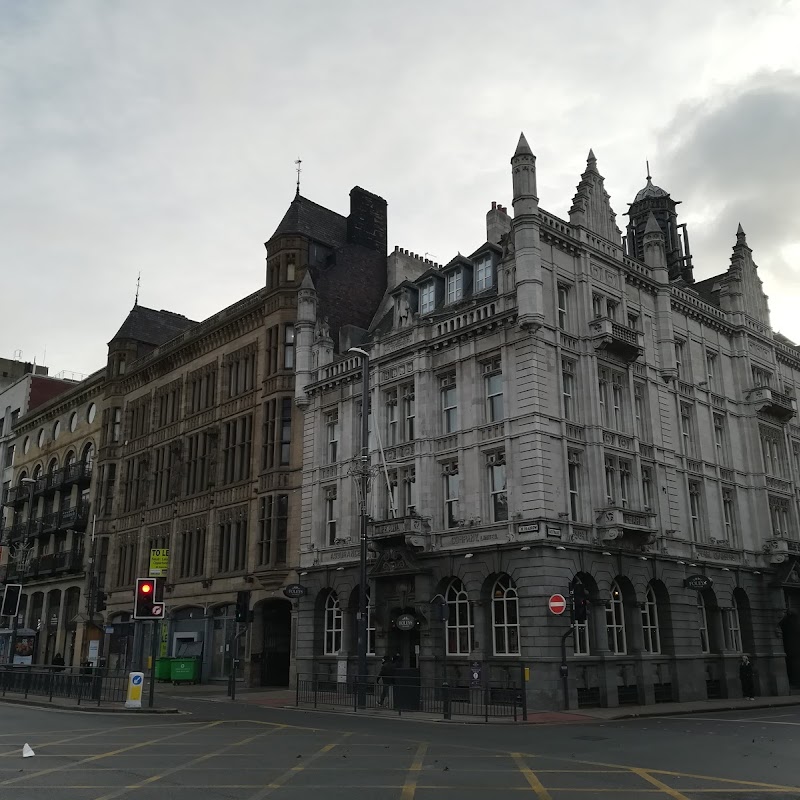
[
  {"x": 409, "y": 695},
  {"x": 81, "y": 684}
]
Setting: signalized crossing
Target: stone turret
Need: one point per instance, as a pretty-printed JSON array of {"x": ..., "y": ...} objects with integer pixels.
[
  {"x": 655, "y": 257},
  {"x": 525, "y": 231},
  {"x": 304, "y": 327},
  {"x": 654, "y": 200}
]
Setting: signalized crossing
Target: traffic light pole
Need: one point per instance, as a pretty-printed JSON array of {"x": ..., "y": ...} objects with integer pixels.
[
  {"x": 564, "y": 667},
  {"x": 154, "y": 638}
]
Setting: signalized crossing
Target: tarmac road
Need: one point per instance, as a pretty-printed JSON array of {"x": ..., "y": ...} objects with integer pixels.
[{"x": 223, "y": 750}]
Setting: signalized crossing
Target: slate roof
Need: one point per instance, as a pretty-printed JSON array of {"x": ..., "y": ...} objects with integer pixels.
[
  {"x": 148, "y": 326},
  {"x": 314, "y": 221}
]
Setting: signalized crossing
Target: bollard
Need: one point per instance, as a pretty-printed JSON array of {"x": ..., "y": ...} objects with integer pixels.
[{"x": 446, "y": 700}]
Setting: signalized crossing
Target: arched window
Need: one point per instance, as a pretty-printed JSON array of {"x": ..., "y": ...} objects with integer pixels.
[
  {"x": 505, "y": 617},
  {"x": 459, "y": 620},
  {"x": 52, "y": 466},
  {"x": 355, "y": 600},
  {"x": 702, "y": 623},
  {"x": 650, "y": 632},
  {"x": 615, "y": 621},
  {"x": 87, "y": 456},
  {"x": 733, "y": 628},
  {"x": 333, "y": 625},
  {"x": 69, "y": 460},
  {"x": 37, "y": 472}
]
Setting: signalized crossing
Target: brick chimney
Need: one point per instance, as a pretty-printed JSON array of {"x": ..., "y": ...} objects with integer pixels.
[{"x": 366, "y": 224}]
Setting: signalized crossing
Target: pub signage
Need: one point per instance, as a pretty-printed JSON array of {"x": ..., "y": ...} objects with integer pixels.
[
  {"x": 698, "y": 582},
  {"x": 295, "y": 590}
]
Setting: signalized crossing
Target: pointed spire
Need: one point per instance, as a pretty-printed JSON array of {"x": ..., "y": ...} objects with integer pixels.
[
  {"x": 648, "y": 170},
  {"x": 591, "y": 162},
  {"x": 523, "y": 149},
  {"x": 652, "y": 225},
  {"x": 741, "y": 237}
]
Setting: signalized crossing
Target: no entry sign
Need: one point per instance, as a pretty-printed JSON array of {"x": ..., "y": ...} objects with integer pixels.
[{"x": 557, "y": 604}]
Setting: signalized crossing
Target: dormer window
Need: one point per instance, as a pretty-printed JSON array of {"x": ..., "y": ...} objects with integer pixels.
[
  {"x": 427, "y": 298},
  {"x": 483, "y": 273},
  {"x": 454, "y": 286}
]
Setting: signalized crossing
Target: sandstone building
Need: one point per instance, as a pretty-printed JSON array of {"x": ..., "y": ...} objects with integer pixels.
[
  {"x": 50, "y": 511},
  {"x": 201, "y": 444}
]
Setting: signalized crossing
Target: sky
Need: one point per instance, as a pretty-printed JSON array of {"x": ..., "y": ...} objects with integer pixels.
[{"x": 160, "y": 137}]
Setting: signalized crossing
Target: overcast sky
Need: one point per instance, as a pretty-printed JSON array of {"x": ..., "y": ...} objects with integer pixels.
[{"x": 160, "y": 136}]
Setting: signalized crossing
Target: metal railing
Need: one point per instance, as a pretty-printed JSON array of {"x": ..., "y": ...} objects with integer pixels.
[
  {"x": 81, "y": 684},
  {"x": 409, "y": 695}
]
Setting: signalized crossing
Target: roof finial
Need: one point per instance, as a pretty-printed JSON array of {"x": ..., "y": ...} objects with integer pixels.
[
  {"x": 649, "y": 176},
  {"x": 138, "y": 280},
  {"x": 297, "y": 167}
]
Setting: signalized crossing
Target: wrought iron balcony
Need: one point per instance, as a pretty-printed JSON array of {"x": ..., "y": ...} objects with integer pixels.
[
  {"x": 608, "y": 335},
  {"x": 78, "y": 472},
  {"x": 773, "y": 402},
  {"x": 55, "y": 479},
  {"x": 18, "y": 495},
  {"x": 48, "y": 522},
  {"x": 75, "y": 518}
]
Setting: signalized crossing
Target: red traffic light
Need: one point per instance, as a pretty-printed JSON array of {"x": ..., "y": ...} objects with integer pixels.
[{"x": 147, "y": 599}]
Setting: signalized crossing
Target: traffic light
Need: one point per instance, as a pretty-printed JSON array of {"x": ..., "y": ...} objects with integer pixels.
[
  {"x": 580, "y": 602},
  {"x": 148, "y": 599},
  {"x": 101, "y": 599},
  {"x": 11, "y": 597},
  {"x": 243, "y": 607}
]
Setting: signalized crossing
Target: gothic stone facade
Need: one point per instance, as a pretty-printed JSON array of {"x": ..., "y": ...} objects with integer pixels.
[
  {"x": 565, "y": 404},
  {"x": 202, "y": 448}
]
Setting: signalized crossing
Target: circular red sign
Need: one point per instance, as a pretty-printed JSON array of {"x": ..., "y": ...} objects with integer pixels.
[{"x": 557, "y": 604}]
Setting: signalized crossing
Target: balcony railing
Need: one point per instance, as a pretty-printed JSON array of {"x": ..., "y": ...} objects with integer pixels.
[
  {"x": 55, "y": 479},
  {"x": 77, "y": 472},
  {"x": 773, "y": 402},
  {"x": 75, "y": 518},
  {"x": 65, "y": 561},
  {"x": 18, "y": 495},
  {"x": 615, "y": 338}
]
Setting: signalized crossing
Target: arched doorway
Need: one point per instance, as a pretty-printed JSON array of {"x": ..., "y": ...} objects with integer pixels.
[
  {"x": 790, "y": 631},
  {"x": 276, "y": 616}
]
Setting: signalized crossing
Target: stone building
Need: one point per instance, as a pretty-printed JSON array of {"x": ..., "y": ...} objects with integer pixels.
[
  {"x": 50, "y": 542},
  {"x": 201, "y": 447},
  {"x": 564, "y": 405}
]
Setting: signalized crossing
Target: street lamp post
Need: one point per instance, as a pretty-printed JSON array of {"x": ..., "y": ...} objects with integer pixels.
[
  {"x": 31, "y": 483},
  {"x": 361, "y": 678}
]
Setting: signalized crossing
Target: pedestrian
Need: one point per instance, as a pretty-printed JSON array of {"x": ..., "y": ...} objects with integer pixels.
[
  {"x": 386, "y": 677},
  {"x": 58, "y": 663},
  {"x": 746, "y": 678}
]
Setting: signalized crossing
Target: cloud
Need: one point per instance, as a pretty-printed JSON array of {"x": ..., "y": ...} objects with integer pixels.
[
  {"x": 161, "y": 136},
  {"x": 734, "y": 158}
]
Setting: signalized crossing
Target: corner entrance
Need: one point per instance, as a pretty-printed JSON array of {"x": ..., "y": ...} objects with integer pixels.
[
  {"x": 790, "y": 631},
  {"x": 275, "y": 656}
]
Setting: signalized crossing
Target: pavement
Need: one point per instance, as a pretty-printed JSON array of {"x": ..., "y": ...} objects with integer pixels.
[
  {"x": 168, "y": 698},
  {"x": 218, "y": 750}
]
